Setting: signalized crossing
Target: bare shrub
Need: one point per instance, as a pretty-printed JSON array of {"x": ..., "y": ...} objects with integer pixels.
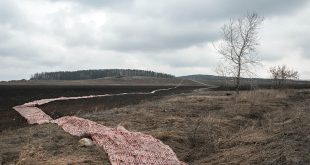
[
  {"x": 203, "y": 139},
  {"x": 281, "y": 74}
]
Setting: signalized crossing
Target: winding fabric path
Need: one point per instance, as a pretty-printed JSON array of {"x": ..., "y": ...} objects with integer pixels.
[{"x": 121, "y": 145}]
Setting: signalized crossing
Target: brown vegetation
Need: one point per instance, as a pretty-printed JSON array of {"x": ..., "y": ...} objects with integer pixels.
[
  {"x": 264, "y": 126},
  {"x": 203, "y": 127},
  {"x": 46, "y": 144}
]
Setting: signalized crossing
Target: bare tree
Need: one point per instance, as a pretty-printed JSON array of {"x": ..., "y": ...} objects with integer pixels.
[
  {"x": 238, "y": 47},
  {"x": 282, "y": 73}
]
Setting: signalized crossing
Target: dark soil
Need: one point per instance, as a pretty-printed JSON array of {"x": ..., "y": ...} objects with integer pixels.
[
  {"x": 202, "y": 127},
  {"x": 13, "y": 95},
  {"x": 217, "y": 127}
]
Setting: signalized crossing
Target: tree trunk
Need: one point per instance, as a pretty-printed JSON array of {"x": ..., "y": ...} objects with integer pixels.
[{"x": 238, "y": 76}]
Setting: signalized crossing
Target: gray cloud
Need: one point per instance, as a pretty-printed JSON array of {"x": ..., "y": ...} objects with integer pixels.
[
  {"x": 119, "y": 4},
  {"x": 156, "y": 36},
  {"x": 175, "y": 34},
  {"x": 157, "y": 25},
  {"x": 215, "y": 10}
]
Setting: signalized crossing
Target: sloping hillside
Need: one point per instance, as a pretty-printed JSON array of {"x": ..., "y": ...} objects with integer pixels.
[
  {"x": 94, "y": 74},
  {"x": 202, "y": 77}
]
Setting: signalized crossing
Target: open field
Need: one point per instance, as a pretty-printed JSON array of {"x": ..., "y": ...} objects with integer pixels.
[
  {"x": 251, "y": 84},
  {"x": 19, "y": 92},
  {"x": 133, "y": 82},
  {"x": 202, "y": 127},
  {"x": 15, "y": 95},
  {"x": 109, "y": 81}
]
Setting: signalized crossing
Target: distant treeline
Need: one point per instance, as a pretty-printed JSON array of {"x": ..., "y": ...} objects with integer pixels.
[{"x": 94, "y": 74}]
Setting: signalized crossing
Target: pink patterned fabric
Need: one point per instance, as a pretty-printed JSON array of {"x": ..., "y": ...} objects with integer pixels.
[
  {"x": 33, "y": 115},
  {"x": 121, "y": 145}
]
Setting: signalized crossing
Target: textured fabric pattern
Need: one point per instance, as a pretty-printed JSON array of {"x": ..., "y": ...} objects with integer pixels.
[
  {"x": 33, "y": 115},
  {"x": 121, "y": 145}
]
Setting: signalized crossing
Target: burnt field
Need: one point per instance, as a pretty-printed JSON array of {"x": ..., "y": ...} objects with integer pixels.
[
  {"x": 201, "y": 126},
  {"x": 213, "y": 127},
  {"x": 12, "y": 95}
]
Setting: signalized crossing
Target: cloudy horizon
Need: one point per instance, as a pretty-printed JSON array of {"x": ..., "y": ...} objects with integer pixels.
[{"x": 171, "y": 36}]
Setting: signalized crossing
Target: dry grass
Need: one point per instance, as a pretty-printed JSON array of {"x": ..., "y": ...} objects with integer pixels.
[
  {"x": 258, "y": 96},
  {"x": 46, "y": 144},
  {"x": 211, "y": 127}
]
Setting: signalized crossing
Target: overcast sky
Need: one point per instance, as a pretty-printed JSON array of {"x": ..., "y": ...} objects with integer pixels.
[{"x": 172, "y": 36}]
